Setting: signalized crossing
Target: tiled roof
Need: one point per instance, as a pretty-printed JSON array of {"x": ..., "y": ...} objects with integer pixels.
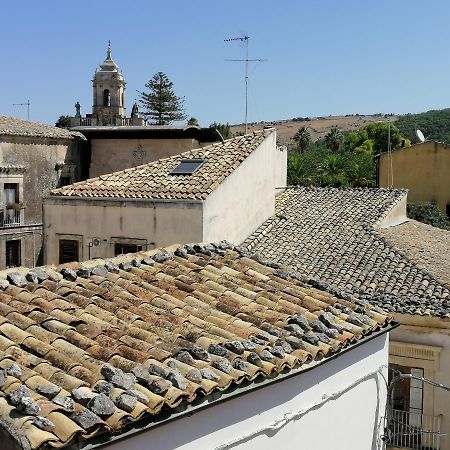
[
  {"x": 154, "y": 181},
  {"x": 87, "y": 350},
  {"x": 11, "y": 126},
  {"x": 428, "y": 247},
  {"x": 330, "y": 235}
]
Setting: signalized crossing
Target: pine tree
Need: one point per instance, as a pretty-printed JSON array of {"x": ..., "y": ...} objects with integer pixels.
[{"x": 160, "y": 103}]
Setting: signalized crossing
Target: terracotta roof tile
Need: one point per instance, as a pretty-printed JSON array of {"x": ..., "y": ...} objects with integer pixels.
[
  {"x": 187, "y": 334},
  {"x": 154, "y": 180},
  {"x": 11, "y": 126}
]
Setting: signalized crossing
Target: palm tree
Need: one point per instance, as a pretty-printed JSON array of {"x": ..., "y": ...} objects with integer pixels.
[
  {"x": 303, "y": 138},
  {"x": 334, "y": 139},
  {"x": 332, "y": 171},
  {"x": 332, "y": 166},
  {"x": 359, "y": 176}
]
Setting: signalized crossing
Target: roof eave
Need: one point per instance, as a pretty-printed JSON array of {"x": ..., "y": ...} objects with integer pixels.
[{"x": 219, "y": 397}]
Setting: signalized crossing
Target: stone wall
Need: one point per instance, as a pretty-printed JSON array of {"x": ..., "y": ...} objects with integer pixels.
[{"x": 36, "y": 165}]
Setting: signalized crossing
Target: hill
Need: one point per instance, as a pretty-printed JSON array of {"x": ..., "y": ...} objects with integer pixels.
[
  {"x": 434, "y": 124},
  {"x": 318, "y": 126}
]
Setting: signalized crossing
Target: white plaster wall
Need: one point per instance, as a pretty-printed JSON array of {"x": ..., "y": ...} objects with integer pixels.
[
  {"x": 351, "y": 421},
  {"x": 244, "y": 200},
  {"x": 161, "y": 223},
  {"x": 396, "y": 215}
]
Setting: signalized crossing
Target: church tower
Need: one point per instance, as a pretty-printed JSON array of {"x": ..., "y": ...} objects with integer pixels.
[{"x": 109, "y": 92}]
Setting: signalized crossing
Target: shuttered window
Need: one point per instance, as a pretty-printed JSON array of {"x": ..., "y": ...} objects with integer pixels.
[
  {"x": 13, "y": 254},
  {"x": 68, "y": 251}
]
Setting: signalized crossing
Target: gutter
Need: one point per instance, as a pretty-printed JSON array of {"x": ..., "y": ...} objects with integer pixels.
[{"x": 234, "y": 391}]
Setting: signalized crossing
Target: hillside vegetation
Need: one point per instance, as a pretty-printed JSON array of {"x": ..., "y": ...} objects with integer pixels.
[
  {"x": 435, "y": 125},
  {"x": 340, "y": 158},
  {"x": 318, "y": 127}
]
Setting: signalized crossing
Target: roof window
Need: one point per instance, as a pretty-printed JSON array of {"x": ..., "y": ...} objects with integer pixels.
[{"x": 187, "y": 167}]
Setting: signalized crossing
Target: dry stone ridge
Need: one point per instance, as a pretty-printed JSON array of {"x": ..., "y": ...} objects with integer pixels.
[
  {"x": 330, "y": 236},
  {"x": 88, "y": 351},
  {"x": 154, "y": 180}
]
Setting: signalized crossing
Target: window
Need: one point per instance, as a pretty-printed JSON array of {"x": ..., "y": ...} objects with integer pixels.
[
  {"x": 68, "y": 251},
  {"x": 122, "y": 248},
  {"x": 13, "y": 253},
  {"x": 64, "y": 181},
  {"x": 447, "y": 210},
  {"x": 11, "y": 194},
  {"x": 408, "y": 393},
  {"x": 187, "y": 167},
  {"x": 106, "y": 98}
]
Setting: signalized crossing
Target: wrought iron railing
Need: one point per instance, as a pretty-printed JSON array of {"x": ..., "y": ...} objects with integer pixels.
[
  {"x": 412, "y": 430},
  {"x": 10, "y": 218}
]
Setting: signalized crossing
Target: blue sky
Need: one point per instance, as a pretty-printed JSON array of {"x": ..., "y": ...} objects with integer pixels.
[{"x": 324, "y": 57}]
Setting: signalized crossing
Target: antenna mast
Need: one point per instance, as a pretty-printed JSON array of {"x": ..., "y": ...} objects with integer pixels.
[
  {"x": 27, "y": 104},
  {"x": 246, "y": 60}
]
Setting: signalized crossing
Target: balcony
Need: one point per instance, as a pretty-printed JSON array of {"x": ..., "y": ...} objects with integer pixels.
[
  {"x": 10, "y": 218},
  {"x": 412, "y": 430}
]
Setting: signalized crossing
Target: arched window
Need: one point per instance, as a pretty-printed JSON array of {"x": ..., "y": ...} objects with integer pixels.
[{"x": 106, "y": 98}]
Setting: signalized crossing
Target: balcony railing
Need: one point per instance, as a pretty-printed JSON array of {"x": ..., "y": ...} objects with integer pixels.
[
  {"x": 412, "y": 430},
  {"x": 10, "y": 218}
]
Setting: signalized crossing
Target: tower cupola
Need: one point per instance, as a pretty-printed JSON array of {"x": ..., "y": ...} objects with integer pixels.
[{"x": 109, "y": 92}]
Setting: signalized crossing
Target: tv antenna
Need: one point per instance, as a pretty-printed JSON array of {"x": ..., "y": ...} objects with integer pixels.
[
  {"x": 420, "y": 136},
  {"x": 246, "y": 60},
  {"x": 27, "y": 104}
]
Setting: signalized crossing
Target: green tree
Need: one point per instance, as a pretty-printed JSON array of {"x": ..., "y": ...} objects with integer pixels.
[
  {"x": 160, "y": 103},
  {"x": 193, "y": 122},
  {"x": 378, "y": 133},
  {"x": 428, "y": 213},
  {"x": 434, "y": 124},
  {"x": 334, "y": 139},
  {"x": 302, "y": 138},
  {"x": 63, "y": 122},
  {"x": 360, "y": 176},
  {"x": 223, "y": 128}
]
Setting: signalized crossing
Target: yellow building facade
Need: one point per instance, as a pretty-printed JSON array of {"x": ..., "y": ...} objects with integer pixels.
[{"x": 423, "y": 168}]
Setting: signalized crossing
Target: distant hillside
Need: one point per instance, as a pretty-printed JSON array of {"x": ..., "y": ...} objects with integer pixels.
[
  {"x": 435, "y": 125},
  {"x": 318, "y": 126}
]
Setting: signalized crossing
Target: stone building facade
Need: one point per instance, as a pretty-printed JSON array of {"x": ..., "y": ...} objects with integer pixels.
[
  {"x": 197, "y": 196},
  {"x": 34, "y": 159}
]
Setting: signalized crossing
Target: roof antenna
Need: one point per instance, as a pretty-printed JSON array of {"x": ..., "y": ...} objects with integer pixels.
[
  {"x": 246, "y": 60},
  {"x": 27, "y": 104}
]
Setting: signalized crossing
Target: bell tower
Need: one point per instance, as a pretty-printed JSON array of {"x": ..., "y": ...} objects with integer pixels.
[{"x": 109, "y": 92}]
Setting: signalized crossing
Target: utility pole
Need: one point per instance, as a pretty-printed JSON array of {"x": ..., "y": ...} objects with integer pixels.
[
  {"x": 27, "y": 104},
  {"x": 246, "y": 60}
]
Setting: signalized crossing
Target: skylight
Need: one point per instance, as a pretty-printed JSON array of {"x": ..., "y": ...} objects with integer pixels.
[{"x": 187, "y": 167}]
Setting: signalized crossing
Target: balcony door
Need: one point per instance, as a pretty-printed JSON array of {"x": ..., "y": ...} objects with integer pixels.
[{"x": 11, "y": 196}]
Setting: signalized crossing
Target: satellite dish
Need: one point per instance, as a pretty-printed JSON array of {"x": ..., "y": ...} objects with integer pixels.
[
  {"x": 420, "y": 136},
  {"x": 95, "y": 241}
]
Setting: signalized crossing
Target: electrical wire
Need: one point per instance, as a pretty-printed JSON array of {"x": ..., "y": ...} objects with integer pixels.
[{"x": 278, "y": 424}]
